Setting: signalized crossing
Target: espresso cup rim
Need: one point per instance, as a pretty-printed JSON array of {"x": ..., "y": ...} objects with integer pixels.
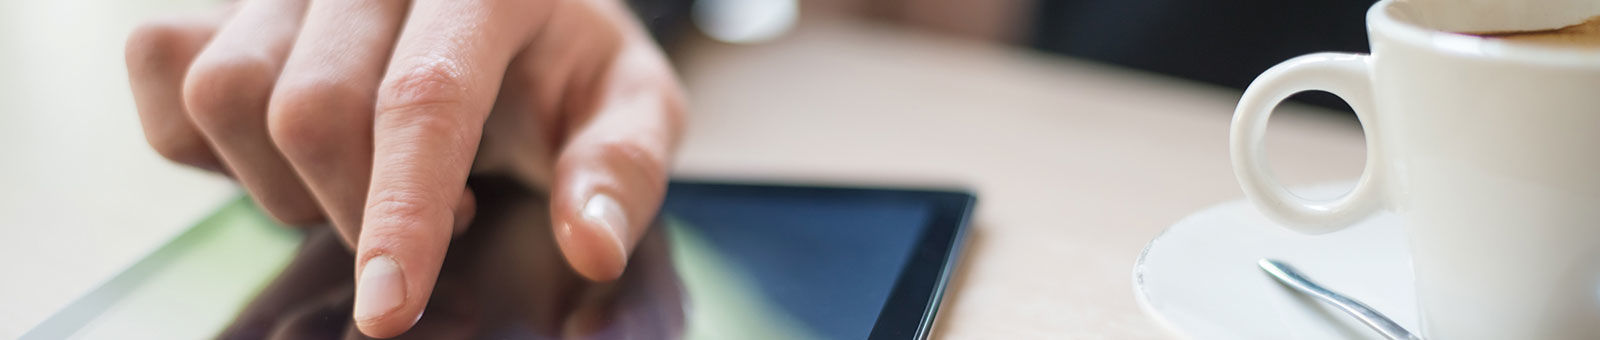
[{"x": 1381, "y": 23}]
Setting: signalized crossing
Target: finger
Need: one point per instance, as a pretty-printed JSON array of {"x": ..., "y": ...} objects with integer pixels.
[
  {"x": 431, "y": 107},
  {"x": 611, "y": 176},
  {"x": 158, "y": 56},
  {"x": 226, "y": 92},
  {"x": 320, "y": 114}
]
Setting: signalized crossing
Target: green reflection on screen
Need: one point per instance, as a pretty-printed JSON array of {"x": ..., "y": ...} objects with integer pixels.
[
  {"x": 724, "y": 303},
  {"x": 193, "y": 286}
]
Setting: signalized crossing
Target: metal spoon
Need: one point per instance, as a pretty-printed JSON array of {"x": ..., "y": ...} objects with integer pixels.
[{"x": 1292, "y": 278}]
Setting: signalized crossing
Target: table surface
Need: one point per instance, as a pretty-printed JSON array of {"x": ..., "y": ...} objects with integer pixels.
[{"x": 1076, "y": 164}]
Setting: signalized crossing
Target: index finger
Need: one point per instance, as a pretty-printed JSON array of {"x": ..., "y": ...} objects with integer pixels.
[{"x": 438, "y": 90}]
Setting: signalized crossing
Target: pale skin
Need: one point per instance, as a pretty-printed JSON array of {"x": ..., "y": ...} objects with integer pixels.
[{"x": 369, "y": 116}]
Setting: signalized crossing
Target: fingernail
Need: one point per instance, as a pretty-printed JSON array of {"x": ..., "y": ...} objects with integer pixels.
[
  {"x": 380, "y": 290},
  {"x": 604, "y": 212}
]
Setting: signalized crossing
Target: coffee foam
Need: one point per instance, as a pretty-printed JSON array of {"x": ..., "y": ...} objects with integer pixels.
[
  {"x": 1496, "y": 15},
  {"x": 1585, "y": 35}
]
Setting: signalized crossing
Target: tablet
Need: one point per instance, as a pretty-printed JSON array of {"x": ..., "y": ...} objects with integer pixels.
[{"x": 723, "y": 261}]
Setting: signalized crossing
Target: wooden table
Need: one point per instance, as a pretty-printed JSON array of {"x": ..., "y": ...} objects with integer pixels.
[{"x": 1076, "y": 165}]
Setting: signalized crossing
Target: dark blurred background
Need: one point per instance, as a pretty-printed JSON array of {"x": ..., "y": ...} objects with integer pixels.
[{"x": 1222, "y": 42}]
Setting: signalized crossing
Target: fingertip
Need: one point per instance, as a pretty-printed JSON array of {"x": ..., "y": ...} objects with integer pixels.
[
  {"x": 402, "y": 245},
  {"x": 603, "y": 192},
  {"x": 592, "y": 237},
  {"x": 380, "y": 299}
]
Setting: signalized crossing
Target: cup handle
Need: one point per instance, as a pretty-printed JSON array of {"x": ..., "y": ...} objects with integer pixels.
[{"x": 1345, "y": 75}]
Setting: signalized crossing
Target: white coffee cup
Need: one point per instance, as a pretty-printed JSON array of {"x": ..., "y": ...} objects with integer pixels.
[{"x": 1490, "y": 152}]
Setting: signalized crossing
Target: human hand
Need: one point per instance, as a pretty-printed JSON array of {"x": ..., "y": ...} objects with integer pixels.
[{"x": 371, "y": 115}]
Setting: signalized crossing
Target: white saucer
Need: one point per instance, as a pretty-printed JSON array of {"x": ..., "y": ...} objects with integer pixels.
[{"x": 1199, "y": 277}]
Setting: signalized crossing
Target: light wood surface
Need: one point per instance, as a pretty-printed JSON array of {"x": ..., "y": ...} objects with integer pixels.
[{"x": 1076, "y": 165}]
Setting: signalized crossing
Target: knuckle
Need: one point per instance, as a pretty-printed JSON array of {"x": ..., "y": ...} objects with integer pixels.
[
  {"x": 221, "y": 91},
  {"x": 410, "y": 128},
  {"x": 151, "y": 42},
  {"x": 430, "y": 85},
  {"x": 400, "y": 205},
  {"x": 306, "y": 115},
  {"x": 397, "y": 215}
]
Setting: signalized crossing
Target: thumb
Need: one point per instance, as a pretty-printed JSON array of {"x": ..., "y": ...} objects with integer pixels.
[
  {"x": 611, "y": 176},
  {"x": 606, "y": 194}
]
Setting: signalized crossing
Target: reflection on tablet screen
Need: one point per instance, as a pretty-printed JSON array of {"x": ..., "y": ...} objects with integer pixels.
[{"x": 787, "y": 267}]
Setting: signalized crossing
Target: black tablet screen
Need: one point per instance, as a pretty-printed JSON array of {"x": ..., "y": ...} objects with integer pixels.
[
  {"x": 797, "y": 262},
  {"x": 791, "y": 262}
]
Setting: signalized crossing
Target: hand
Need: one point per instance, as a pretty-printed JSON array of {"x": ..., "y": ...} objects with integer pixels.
[
  {"x": 371, "y": 115},
  {"x": 503, "y": 279}
]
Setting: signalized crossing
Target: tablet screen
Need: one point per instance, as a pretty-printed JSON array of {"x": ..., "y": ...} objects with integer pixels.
[
  {"x": 807, "y": 266},
  {"x": 723, "y": 261}
]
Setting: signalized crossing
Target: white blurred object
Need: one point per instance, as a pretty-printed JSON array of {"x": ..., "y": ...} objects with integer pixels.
[
  {"x": 82, "y": 196},
  {"x": 1499, "y": 15},
  {"x": 745, "y": 21}
]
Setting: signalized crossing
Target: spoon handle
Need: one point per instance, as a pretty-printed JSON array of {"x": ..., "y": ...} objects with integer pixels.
[{"x": 1287, "y": 275}]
